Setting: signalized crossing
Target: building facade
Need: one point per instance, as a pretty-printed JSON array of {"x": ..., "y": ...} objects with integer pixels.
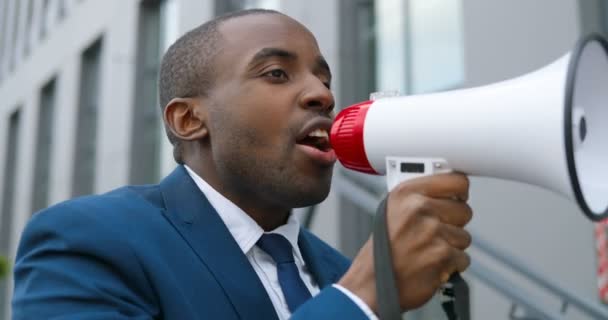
[{"x": 79, "y": 111}]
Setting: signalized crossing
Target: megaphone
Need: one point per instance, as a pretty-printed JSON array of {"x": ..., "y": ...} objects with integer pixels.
[{"x": 548, "y": 128}]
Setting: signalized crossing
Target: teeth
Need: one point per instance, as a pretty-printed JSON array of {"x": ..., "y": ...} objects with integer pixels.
[{"x": 319, "y": 133}]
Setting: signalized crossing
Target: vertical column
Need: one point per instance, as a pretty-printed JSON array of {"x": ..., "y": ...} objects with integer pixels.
[{"x": 116, "y": 97}]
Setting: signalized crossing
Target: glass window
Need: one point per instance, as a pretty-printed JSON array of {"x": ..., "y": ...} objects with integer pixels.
[
  {"x": 225, "y": 6},
  {"x": 266, "y": 4},
  {"x": 420, "y": 45},
  {"x": 604, "y": 10},
  {"x": 28, "y": 26},
  {"x": 437, "y": 48},
  {"x": 44, "y": 145},
  {"x": 44, "y": 18},
  {"x": 86, "y": 130},
  {"x": 8, "y": 193},
  {"x": 146, "y": 133}
]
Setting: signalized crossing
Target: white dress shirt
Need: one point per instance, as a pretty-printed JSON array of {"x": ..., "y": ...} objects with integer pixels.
[{"x": 247, "y": 232}]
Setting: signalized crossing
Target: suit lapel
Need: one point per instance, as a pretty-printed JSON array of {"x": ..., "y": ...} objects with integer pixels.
[
  {"x": 322, "y": 267},
  {"x": 199, "y": 224}
]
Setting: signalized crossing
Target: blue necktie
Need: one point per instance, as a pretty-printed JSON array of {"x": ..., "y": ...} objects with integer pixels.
[{"x": 279, "y": 248}]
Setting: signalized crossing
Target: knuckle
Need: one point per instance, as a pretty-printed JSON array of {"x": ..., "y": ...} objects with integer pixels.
[
  {"x": 466, "y": 262},
  {"x": 419, "y": 202},
  {"x": 433, "y": 226},
  {"x": 468, "y": 213},
  {"x": 402, "y": 189},
  {"x": 466, "y": 182},
  {"x": 443, "y": 253},
  {"x": 467, "y": 239},
  {"x": 430, "y": 230}
]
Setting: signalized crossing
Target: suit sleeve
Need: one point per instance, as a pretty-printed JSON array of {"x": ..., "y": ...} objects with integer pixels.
[
  {"x": 70, "y": 266},
  {"x": 329, "y": 304}
]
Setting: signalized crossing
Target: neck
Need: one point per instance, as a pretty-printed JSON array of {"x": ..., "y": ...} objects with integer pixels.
[{"x": 267, "y": 216}]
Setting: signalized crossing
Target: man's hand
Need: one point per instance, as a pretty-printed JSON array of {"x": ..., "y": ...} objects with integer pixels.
[{"x": 425, "y": 219}]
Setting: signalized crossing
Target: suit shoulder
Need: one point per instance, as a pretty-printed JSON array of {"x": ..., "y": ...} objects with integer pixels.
[{"x": 116, "y": 207}]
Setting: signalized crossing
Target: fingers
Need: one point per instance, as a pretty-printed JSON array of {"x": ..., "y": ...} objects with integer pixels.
[
  {"x": 452, "y": 212},
  {"x": 447, "y": 186},
  {"x": 448, "y": 211},
  {"x": 456, "y": 237},
  {"x": 449, "y": 243},
  {"x": 459, "y": 262}
]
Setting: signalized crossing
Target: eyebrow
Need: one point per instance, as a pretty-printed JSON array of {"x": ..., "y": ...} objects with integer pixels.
[{"x": 267, "y": 53}]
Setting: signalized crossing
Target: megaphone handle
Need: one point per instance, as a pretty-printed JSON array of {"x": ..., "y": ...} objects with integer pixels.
[{"x": 456, "y": 307}]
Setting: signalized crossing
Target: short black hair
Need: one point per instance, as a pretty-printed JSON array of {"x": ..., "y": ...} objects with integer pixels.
[{"x": 187, "y": 68}]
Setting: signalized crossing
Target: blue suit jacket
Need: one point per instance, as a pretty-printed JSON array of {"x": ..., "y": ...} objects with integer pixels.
[{"x": 154, "y": 252}]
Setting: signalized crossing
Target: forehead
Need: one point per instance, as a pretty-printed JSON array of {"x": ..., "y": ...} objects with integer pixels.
[{"x": 242, "y": 37}]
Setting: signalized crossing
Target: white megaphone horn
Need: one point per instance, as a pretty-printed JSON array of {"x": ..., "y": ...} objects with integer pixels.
[{"x": 548, "y": 128}]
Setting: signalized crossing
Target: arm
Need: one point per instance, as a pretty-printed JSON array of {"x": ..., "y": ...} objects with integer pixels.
[
  {"x": 329, "y": 304},
  {"x": 70, "y": 265}
]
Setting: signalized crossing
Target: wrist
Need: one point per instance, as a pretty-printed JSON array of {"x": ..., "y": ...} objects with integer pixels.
[{"x": 360, "y": 285}]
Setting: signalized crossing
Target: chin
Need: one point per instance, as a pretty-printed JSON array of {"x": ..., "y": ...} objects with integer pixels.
[{"x": 312, "y": 195}]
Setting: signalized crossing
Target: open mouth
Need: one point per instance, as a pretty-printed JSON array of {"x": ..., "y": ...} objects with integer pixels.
[{"x": 318, "y": 139}]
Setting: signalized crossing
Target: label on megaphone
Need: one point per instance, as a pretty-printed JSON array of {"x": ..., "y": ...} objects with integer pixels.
[{"x": 399, "y": 169}]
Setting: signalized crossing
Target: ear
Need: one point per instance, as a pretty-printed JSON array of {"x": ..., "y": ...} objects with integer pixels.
[{"x": 186, "y": 118}]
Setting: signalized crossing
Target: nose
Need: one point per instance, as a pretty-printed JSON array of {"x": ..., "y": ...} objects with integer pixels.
[{"x": 317, "y": 96}]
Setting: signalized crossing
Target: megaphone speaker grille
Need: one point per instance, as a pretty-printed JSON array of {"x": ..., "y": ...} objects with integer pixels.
[{"x": 586, "y": 125}]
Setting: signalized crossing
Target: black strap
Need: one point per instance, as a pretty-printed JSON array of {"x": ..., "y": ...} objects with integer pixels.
[
  {"x": 456, "y": 307},
  {"x": 387, "y": 293}
]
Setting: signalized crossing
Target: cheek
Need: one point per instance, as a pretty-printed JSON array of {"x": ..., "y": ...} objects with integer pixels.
[{"x": 260, "y": 117}]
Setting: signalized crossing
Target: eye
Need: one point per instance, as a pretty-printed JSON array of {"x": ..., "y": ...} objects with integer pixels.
[{"x": 276, "y": 74}]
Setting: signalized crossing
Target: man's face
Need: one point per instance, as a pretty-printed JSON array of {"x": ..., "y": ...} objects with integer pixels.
[{"x": 269, "y": 113}]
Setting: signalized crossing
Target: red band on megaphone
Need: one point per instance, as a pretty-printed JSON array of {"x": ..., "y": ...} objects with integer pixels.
[{"x": 346, "y": 137}]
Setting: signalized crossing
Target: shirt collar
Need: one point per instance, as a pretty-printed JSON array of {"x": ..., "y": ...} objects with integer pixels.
[{"x": 245, "y": 231}]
